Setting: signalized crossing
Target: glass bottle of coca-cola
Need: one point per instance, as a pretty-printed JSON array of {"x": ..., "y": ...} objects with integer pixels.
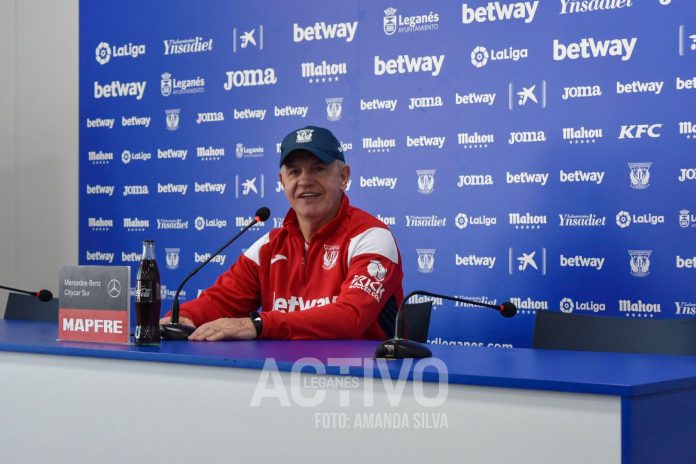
[{"x": 148, "y": 299}]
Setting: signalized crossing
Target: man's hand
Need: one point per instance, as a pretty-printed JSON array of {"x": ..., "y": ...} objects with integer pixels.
[
  {"x": 182, "y": 320},
  {"x": 226, "y": 328}
]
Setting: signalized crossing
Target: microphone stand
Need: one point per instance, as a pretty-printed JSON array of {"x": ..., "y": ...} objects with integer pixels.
[
  {"x": 400, "y": 348},
  {"x": 176, "y": 331}
]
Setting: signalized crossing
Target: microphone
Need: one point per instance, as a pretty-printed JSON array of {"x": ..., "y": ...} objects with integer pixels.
[
  {"x": 176, "y": 331},
  {"x": 43, "y": 295},
  {"x": 400, "y": 348}
]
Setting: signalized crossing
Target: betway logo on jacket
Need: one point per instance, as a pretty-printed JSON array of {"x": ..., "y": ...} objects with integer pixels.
[
  {"x": 591, "y": 48},
  {"x": 405, "y": 64},
  {"x": 298, "y": 303},
  {"x": 324, "y": 31},
  {"x": 119, "y": 89},
  {"x": 498, "y": 11}
]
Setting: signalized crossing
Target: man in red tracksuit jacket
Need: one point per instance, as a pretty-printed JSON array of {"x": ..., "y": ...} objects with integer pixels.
[{"x": 331, "y": 271}]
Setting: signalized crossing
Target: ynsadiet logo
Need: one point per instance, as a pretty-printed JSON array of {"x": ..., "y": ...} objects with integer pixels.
[
  {"x": 583, "y": 6},
  {"x": 589, "y": 47},
  {"x": 186, "y": 46},
  {"x": 394, "y": 23},
  {"x": 405, "y": 64},
  {"x": 499, "y": 11},
  {"x": 582, "y": 220},
  {"x": 104, "y": 52},
  {"x": 480, "y": 56}
]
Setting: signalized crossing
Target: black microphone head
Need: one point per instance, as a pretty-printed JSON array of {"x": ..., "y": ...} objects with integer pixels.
[
  {"x": 263, "y": 214},
  {"x": 508, "y": 309},
  {"x": 44, "y": 295}
]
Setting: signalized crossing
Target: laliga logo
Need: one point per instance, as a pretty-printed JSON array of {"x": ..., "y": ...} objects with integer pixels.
[
  {"x": 567, "y": 305},
  {"x": 623, "y": 219},
  {"x": 103, "y": 53},
  {"x": 479, "y": 57},
  {"x": 199, "y": 223},
  {"x": 462, "y": 221}
]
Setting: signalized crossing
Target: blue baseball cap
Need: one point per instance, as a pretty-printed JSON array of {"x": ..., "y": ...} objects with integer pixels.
[{"x": 316, "y": 140}]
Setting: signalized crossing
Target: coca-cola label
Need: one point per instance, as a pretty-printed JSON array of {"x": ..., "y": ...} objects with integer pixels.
[{"x": 147, "y": 291}]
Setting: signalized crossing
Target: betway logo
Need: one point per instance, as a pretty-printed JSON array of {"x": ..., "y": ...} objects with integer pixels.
[
  {"x": 209, "y": 187},
  {"x": 495, "y": 11},
  {"x": 388, "y": 182},
  {"x": 376, "y": 104},
  {"x": 637, "y": 131},
  {"x": 582, "y": 176},
  {"x": 527, "y": 178},
  {"x": 248, "y": 113},
  {"x": 286, "y": 111},
  {"x": 100, "y": 122},
  {"x": 119, "y": 89},
  {"x": 473, "y": 260},
  {"x": 404, "y": 64},
  {"x": 686, "y": 263},
  {"x": 582, "y": 261},
  {"x": 324, "y": 31},
  {"x": 685, "y": 84},
  {"x": 584, "y": 6},
  {"x": 100, "y": 190},
  {"x": 424, "y": 141},
  {"x": 132, "y": 121},
  {"x": 591, "y": 48},
  {"x": 99, "y": 256},
  {"x": 132, "y": 257},
  {"x": 473, "y": 98},
  {"x": 199, "y": 258},
  {"x": 295, "y": 303},
  {"x": 172, "y": 188},
  {"x": 170, "y": 153},
  {"x": 640, "y": 87}
]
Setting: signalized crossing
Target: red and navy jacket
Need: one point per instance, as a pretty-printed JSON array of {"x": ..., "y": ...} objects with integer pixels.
[{"x": 345, "y": 283}]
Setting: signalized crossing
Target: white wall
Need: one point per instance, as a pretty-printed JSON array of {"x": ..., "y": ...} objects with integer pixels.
[{"x": 38, "y": 141}]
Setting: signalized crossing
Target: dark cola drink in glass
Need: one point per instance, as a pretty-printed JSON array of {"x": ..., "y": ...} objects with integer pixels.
[{"x": 148, "y": 299}]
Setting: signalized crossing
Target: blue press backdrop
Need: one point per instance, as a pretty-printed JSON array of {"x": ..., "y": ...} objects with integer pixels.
[{"x": 554, "y": 186}]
